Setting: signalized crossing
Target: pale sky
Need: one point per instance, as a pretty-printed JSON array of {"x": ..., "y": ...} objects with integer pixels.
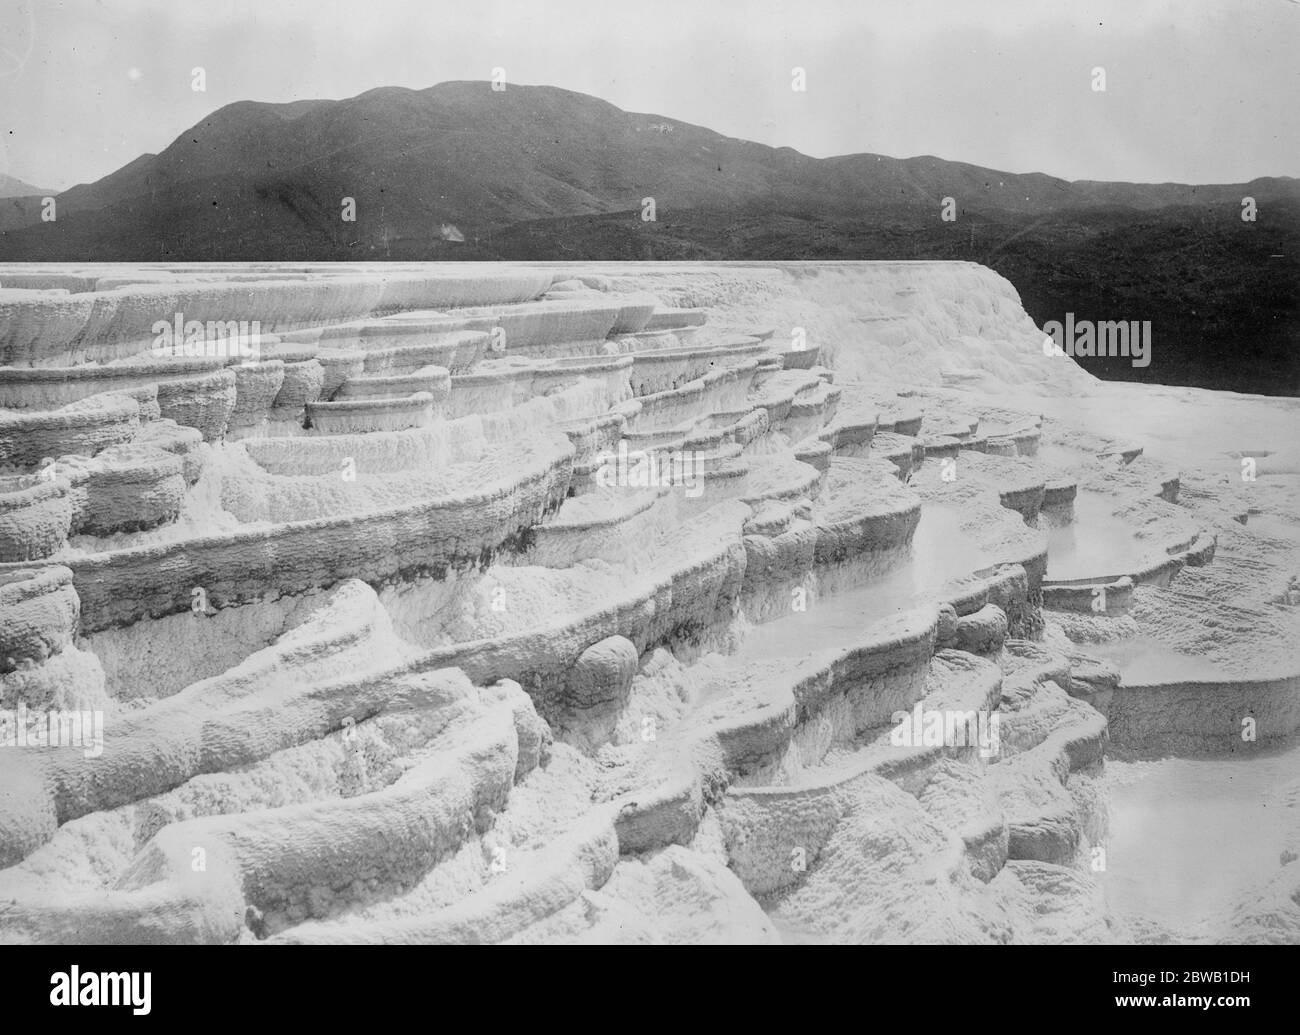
[{"x": 1201, "y": 91}]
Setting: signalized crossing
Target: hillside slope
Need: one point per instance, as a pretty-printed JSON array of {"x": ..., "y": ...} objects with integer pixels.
[{"x": 257, "y": 180}]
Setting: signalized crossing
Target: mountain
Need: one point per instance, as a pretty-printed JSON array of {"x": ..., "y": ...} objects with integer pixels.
[
  {"x": 257, "y": 180},
  {"x": 462, "y": 171},
  {"x": 12, "y": 188}
]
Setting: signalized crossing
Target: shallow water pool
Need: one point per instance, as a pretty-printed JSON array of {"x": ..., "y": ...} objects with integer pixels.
[
  {"x": 1191, "y": 838},
  {"x": 1096, "y": 543},
  {"x": 940, "y": 552}
]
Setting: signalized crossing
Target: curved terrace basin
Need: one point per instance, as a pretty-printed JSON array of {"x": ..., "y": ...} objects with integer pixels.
[
  {"x": 1145, "y": 660},
  {"x": 1096, "y": 544},
  {"x": 940, "y": 553},
  {"x": 1190, "y": 839}
]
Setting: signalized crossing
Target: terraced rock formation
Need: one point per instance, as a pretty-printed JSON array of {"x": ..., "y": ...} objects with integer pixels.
[{"x": 744, "y": 603}]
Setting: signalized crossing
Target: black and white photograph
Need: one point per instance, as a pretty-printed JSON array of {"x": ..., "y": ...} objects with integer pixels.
[{"x": 790, "y": 473}]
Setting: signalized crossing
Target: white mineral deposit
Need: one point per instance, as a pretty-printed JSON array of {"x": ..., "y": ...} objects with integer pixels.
[{"x": 923, "y": 622}]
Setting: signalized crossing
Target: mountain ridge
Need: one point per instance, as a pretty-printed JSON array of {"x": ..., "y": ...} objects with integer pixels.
[
  {"x": 12, "y": 187},
  {"x": 450, "y": 153}
]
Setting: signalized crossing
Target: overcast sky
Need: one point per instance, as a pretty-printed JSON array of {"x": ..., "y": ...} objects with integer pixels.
[{"x": 1202, "y": 91}]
